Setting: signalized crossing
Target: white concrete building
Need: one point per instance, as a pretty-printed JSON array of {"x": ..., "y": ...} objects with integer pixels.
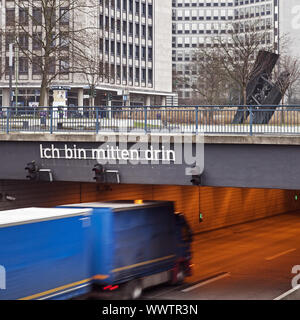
[
  {"x": 197, "y": 22},
  {"x": 134, "y": 40},
  {"x": 263, "y": 13}
]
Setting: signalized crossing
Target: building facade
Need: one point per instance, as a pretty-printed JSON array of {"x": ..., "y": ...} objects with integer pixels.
[
  {"x": 133, "y": 43},
  {"x": 197, "y": 22}
]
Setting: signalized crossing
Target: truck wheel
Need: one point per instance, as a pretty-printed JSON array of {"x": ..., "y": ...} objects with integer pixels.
[
  {"x": 179, "y": 276},
  {"x": 133, "y": 290}
]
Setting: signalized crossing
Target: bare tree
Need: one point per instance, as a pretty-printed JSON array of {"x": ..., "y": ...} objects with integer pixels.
[
  {"x": 290, "y": 67},
  {"x": 231, "y": 56},
  {"x": 179, "y": 81},
  {"x": 287, "y": 71},
  {"x": 89, "y": 64},
  {"x": 209, "y": 77},
  {"x": 239, "y": 52},
  {"x": 46, "y": 33}
]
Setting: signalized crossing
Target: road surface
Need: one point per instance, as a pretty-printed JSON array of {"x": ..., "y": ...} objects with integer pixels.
[{"x": 252, "y": 261}]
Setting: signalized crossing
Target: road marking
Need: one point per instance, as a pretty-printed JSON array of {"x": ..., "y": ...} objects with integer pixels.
[
  {"x": 161, "y": 293},
  {"x": 280, "y": 254},
  {"x": 201, "y": 284},
  {"x": 288, "y": 292}
]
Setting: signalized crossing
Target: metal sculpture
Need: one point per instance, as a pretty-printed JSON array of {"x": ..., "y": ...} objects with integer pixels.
[{"x": 261, "y": 90}]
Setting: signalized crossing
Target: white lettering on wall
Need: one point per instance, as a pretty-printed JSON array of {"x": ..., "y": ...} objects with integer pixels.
[{"x": 107, "y": 153}]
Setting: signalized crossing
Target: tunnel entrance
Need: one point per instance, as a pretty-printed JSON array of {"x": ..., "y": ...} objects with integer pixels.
[
  {"x": 206, "y": 208},
  {"x": 244, "y": 239}
]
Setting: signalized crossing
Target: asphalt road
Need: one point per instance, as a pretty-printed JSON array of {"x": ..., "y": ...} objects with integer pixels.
[{"x": 252, "y": 261}]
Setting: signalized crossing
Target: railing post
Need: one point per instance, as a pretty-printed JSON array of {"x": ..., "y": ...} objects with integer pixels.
[
  {"x": 51, "y": 120},
  {"x": 7, "y": 119},
  {"x": 251, "y": 120},
  {"x": 146, "y": 121},
  {"x": 97, "y": 120},
  {"x": 196, "y": 115}
]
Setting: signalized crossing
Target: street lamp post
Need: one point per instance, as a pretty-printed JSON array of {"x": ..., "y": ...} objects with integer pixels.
[
  {"x": 17, "y": 75},
  {"x": 10, "y": 64}
]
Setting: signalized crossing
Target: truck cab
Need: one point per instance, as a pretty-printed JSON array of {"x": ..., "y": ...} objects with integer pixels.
[
  {"x": 184, "y": 238},
  {"x": 137, "y": 245}
]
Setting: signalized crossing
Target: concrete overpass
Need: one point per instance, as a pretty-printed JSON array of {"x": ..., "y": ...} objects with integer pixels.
[
  {"x": 259, "y": 161},
  {"x": 243, "y": 178}
]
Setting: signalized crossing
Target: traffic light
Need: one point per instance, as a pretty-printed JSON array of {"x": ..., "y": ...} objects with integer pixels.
[
  {"x": 196, "y": 180},
  {"x": 32, "y": 171},
  {"x": 108, "y": 96},
  {"x": 93, "y": 93},
  {"x": 99, "y": 173}
]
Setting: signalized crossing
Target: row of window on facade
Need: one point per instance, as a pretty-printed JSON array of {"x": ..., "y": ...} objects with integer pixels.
[
  {"x": 191, "y": 68},
  {"x": 110, "y": 72},
  {"x": 130, "y": 73},
  {"x": 23, "y": 65},
  {"x": 36, "y": 16},
  {"x": 112, "y": 24},
  {"x": 201, "y": 14},
  {"x": 129, "y": 50},
  {"x": 202, "y": 42},
  {"x": 36, "y": 12},
  {"x": 247, "y": 2},
  {"x": 217, "y": 14},
  {"x": 253, "y": 11},
  {"x": 63, "y": 44},
  {"x": 197, "y": 3},
  {"x": 215, "y": 3},
  {"x": 193, "y": 28},
  {"x": 60, "y": 40},
  {"x": 136, "y": 6}
]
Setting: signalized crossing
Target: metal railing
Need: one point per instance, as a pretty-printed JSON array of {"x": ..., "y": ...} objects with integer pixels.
[{"x": 181, "y": 119}]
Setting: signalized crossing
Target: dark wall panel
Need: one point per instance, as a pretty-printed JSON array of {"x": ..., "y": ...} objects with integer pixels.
[{"x": 28, "y": 194}]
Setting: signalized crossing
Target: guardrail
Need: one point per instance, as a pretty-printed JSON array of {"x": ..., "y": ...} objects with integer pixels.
[{"x": 179, "y": 119}]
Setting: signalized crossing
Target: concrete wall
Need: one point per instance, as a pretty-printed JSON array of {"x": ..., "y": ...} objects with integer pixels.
[
  {"x": 225, "y": 165},
  {"x": 220, "y": 207}
]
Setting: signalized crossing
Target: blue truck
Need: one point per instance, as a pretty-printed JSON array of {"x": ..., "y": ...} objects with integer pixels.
[
  {"x": 45, "y": 253},
  {"x": 136, "y": 245},
  {"x": 114, "y": 248}
]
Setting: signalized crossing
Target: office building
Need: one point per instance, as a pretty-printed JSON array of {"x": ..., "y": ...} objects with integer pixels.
[{"x": 133, "y": 41}]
